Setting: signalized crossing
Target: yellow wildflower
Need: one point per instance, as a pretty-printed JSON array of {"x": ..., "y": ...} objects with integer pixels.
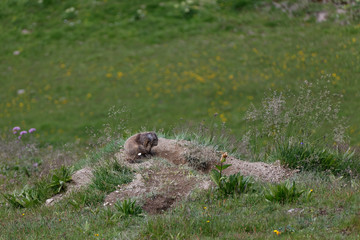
[
  {"x": 223, "y": 157},
  {"x": 223, "y": 118},
  {"x": 277, "y": 232},
  {"x": 120, "y": 74}
]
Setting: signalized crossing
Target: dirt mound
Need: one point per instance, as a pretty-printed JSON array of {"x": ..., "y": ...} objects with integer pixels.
[
  {"x": 158, "y": 185},
  {"x": 80, "y": 179},
  {"x": 166, "y": 178},
  {"x": 175, "y": 170},
  {"x": 259, "y": 170},
  {"x": 205, "y": 158}
]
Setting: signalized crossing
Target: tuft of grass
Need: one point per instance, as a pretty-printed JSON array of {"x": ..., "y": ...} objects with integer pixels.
[
  {"x": 110, "y": 174},
  {"x": 128, "y": 207},
  {"x": 89, "y": 197},
  {"x": 283, "y": 193},
  {"x": 307, "y": 157}
]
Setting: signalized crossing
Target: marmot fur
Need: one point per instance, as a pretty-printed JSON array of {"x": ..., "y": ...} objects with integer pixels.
[{"x": 140, "y": 145}]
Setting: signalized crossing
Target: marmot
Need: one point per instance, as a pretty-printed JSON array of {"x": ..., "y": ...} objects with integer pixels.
[{"x": 140, "y": 145}]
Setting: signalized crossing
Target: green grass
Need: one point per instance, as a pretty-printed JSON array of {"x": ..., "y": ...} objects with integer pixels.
[
  {"x": 41, "y": 189},
  {"x": 329, "y": 204},
  {"x": 332, "y": 207},
  {"x": 109, "y": 174},
  {"x": 163, "y": 67},
  {"x": 312, "y": 158}
]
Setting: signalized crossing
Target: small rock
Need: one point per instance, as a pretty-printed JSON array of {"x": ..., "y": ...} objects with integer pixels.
[
  {"x": 277, "y": 163},
  {"x": 49, "y": 201},
  {"x": 321, "y": 16},
  {"x": 20, "y": 91},
  {"x": 295, "y": 210},
  {"x": 25, "y": 32}
]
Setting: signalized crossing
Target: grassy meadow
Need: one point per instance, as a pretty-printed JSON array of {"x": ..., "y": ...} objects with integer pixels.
[
  {"x": 77, "y": 59},
  {"x": 263, "y": 80}
]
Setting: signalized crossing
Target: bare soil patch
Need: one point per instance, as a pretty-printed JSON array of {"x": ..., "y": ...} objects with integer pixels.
[{"x": 159, "y": 186}]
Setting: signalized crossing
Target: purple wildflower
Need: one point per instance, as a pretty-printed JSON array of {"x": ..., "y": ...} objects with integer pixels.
[
  {"x": 301, "y": 143},
  {"x": 31, "y": 130},
  {"x": 23, "y": 132},
  {"x": 15, "y": 129}
]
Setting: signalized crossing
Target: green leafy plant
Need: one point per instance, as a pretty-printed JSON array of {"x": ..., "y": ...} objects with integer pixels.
[
  {"x": 216, "y": 175},
  {"x": 283, "y": 193},
  {"x": 28, "y": 197},
  {"x": 236, "y": 184},
  {"x": 59, "y": 179},
  {"x": 228, "y": 185},
  {"x": 128, "y": 207}
]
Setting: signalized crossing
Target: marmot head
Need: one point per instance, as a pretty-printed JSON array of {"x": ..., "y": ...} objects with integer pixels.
[{"x": 153, "y": 138}]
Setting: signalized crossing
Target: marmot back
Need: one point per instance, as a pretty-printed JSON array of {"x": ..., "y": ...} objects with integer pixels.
[{"x": 140, "y": 145}]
